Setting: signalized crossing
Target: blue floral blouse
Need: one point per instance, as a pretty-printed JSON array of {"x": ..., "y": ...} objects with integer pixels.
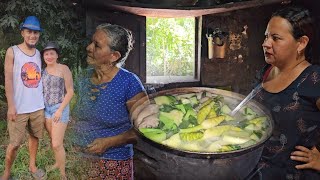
[
  {"x": 297, "y": 122},
  {"x": 101, "y": 111}
]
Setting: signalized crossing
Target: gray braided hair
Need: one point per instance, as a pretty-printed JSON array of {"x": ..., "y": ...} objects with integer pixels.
[{"x": 121, "y": 40}]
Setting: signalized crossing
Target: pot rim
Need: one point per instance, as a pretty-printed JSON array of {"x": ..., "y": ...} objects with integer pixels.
[{"x": 210, "y": 155}]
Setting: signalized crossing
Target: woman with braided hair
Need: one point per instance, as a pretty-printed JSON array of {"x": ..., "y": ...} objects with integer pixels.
[{"x": 106, "y": 99}]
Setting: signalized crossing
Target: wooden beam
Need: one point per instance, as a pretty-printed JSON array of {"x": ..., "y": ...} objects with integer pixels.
[{"x": 178, "y": 11}]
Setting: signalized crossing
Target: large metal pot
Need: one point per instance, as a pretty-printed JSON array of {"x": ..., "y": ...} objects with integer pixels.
[{"x": 157, "y": 161}]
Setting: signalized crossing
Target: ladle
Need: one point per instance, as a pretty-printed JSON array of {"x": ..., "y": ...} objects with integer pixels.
[{"x": 247, "y": 99}]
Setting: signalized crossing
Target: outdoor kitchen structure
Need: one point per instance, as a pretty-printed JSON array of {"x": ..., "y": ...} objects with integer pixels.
[
  {"x": 244, "y": 21},
  {"x": 228, "y": 55}
]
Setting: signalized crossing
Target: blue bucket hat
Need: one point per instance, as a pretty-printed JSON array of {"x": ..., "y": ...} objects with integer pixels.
[{"x": 32, "y": 23}]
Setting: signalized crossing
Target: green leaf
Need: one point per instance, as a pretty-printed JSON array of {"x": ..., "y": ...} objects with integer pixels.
[
  {"x": 9, "y": 21},
  {"x": 167, "y": 108}
]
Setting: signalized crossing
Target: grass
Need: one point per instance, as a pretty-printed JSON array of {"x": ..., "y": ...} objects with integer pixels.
[{"x": 45, "y": 157}]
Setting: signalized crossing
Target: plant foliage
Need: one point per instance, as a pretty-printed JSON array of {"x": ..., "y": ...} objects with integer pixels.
[
  {"x": 62, "y": 21},
  {"x": 170, "y": 46}
]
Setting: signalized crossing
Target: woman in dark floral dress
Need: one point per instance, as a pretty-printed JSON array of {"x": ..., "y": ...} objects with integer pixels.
[{"x": 291, "y": 91}]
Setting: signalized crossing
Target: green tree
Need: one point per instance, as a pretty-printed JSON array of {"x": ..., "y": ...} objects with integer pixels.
[{"x": 170, "y": 46}]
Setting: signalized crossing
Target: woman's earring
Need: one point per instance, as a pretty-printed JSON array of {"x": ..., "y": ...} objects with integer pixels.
[{"x": 298, "y": 54}]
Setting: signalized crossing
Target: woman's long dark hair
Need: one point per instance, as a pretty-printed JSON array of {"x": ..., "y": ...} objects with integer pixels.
[{"x": 302, "y": 25}]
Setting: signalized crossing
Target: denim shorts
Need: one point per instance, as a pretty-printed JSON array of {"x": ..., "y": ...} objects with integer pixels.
[{"x": 49, "y": 111}]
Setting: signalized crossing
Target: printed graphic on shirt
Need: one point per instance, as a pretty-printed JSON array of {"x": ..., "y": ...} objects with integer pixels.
[{"x": 30, "y": 75}]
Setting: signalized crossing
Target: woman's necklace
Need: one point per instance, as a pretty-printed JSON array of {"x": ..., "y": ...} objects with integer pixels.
[
  {"x": 102, "y": 83},
  {"x": 103, "y": 74},
  {"x": 279, "y": 80},
  {"x": 289, "y": 73},
  {"x": 294, "y": 67}
]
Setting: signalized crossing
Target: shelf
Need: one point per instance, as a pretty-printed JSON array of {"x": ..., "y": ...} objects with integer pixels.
[{"x": 177, "y": 11}]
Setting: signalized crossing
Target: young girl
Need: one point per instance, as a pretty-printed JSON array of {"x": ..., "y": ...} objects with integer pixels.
[{"x": 58, "y": 91}]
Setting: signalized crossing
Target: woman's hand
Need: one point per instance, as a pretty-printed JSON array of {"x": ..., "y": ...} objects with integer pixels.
[
  {"x": 311, "y": 158},
  {"x": 56, "y": 116},
  {"x": 99, "y": 145}
]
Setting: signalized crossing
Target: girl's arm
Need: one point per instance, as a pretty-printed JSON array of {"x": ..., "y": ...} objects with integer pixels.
[{"x": 67, "y": 76}]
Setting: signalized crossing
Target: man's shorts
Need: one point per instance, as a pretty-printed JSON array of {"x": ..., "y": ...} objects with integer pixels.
[
  {"x": 33, "y": 122},
  {"x": 49, "y": 111}
]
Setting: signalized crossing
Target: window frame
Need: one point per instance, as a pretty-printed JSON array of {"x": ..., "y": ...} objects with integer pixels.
[{"x": 197, "y": 62}]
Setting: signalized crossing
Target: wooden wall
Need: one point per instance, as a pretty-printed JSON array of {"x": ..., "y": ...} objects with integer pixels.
[
  {"x": 244, "y": 54},
  {"x": 237, "y": 73}
]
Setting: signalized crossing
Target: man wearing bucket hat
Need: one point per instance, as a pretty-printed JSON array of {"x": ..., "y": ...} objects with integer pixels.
[{"x": 24, "y": 94}]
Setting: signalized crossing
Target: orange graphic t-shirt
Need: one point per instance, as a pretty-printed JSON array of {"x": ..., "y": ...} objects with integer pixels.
[{"x": 30, "y": 75}]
